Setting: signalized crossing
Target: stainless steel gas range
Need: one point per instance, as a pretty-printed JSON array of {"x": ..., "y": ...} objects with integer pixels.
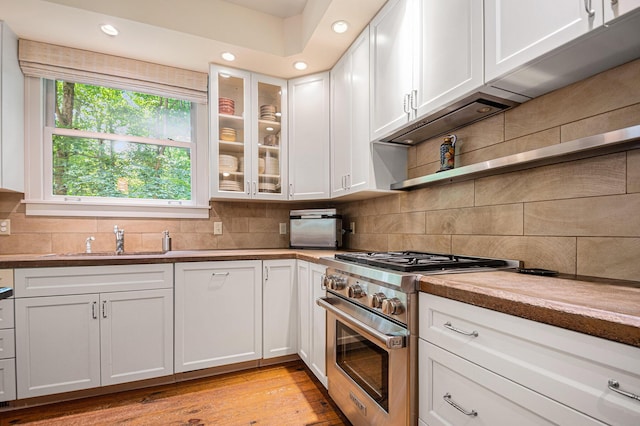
[{"x": 372, "y": 329}]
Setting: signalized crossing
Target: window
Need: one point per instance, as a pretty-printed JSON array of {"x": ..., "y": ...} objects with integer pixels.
[
  {"x": 113, "y": 136},
  {"x": 111, "y": 143},
  {"x": 135, "y": 152}
]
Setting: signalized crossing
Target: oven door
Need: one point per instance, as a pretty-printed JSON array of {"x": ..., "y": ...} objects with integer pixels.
[{"x": 367, "y": 364}]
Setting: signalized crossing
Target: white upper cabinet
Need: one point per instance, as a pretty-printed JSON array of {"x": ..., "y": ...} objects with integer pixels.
[
  {"x": 424, "y": 55},
  {"x": 350, "y": 146},
  {"x": 391, "y": 67},
  {"x": 449, "y": 60},
  {"x": 519, "y": 31},
  {"x": 357, "y": 165},
  {"x": 616, "y": 8},
  {"x": 309, "y": 132},
  {"x": 248, "y": 135},
  {"x": 11, "y": 113}
]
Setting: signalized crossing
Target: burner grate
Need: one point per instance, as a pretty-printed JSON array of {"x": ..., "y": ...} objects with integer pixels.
[{"x": 414, "y": 261}]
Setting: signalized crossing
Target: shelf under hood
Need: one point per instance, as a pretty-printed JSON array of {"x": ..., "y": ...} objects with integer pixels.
[
  {"x": 462, "y": 113},
  {"x": 591, "y": 146}
]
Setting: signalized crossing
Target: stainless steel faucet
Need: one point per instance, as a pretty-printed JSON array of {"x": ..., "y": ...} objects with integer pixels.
[{"x": 119, "y": 239}]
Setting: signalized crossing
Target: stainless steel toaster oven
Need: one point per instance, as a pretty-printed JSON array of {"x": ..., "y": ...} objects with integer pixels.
[{"x": 315, "y": 228}]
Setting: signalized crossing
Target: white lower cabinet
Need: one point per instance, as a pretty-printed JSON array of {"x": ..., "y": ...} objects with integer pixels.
[
  {"x": 7, "y": 343},
  {"x": 523, "y": 371},
  {"x": 79, "y": 341},
  {"x": 279, "y": 308},
  {"x": 454, "y": 391},
  {"x": 312, "y": 318},
  {"x": 218, "y": 313},
  {"x": 67, "y": 343}
]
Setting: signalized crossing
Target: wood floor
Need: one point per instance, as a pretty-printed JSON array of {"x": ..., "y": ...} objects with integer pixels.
[{"x": 286, "y": 394}]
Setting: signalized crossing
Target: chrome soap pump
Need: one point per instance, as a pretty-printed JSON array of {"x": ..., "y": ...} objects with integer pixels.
[
  {"x": 448, "y": 153},
  {"x": 166, "y": 241}
]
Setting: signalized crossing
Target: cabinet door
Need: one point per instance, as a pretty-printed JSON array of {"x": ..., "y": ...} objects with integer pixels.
[
  {"x": 230, "y": 118},
  {"x": 360, "y": 155},
  {"x": 57, "y": 344},
  {"x": 309, "y": 137},
  {"x": 448, "y": 63},
  {"x": 391, "y": 47},
  {"x": 136, "y": 335},
  {"x": 615, "y": 8},
  {"x": 319, "y": 324},
  {"x": 218, "y": 313},
  {"x": 341, "y": 124},
  {"x": 519, "y": 31},
  {"x": 269, "y": 133},
  {"x": 280, "y": 310},
  {"x": 304, "y": 311}
]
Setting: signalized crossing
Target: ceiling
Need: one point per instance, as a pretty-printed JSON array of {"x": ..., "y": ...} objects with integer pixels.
[{"x": 265, "y": 36}]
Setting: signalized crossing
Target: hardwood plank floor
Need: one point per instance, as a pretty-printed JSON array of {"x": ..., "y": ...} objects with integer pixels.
[{"x": 286, "y": 394}]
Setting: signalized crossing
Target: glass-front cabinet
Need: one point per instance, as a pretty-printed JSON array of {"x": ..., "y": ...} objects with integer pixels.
[{"x": 249, "y": 134}]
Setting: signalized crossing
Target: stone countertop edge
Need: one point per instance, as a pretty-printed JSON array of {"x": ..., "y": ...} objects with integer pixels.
[
  {"x": 57, "y": 260},
  {"x": 599, "y": 308}
]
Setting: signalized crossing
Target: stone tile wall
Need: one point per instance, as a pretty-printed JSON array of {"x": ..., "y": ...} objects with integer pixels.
[
  {"x": 577, "y": 217},
  {"x": 580, "y": 217}
]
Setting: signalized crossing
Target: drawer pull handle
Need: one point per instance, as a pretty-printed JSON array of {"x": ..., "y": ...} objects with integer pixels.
[
  {"x": 220, "y": 274},
  {"x": 457, "y": 330},
  {"x": 448, "y": 400},
  {"x": 614, "y": 385}
]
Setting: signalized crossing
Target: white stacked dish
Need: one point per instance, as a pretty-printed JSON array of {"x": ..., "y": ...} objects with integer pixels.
[
  {"x": 267, "y": 187},
  {"x": 268, "y": 112},
  {"x": 228, "y": 134},
  {"x": 272, "y": 166},
  {"x": 227, "y": 163},
  {"x": 230, "y": 185}
]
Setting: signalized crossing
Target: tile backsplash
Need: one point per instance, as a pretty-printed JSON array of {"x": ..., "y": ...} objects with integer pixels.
[{"x": 578, "y": 217}]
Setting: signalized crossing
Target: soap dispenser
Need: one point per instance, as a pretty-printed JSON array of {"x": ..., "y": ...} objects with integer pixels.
[{"x": 166, "y": 241}]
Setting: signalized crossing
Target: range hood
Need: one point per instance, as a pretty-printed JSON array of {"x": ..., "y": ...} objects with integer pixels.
[{"x": 466, "y": 111}]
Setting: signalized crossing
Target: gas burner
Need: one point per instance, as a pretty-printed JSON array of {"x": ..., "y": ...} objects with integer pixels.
[{"x": 415, "y": 261}]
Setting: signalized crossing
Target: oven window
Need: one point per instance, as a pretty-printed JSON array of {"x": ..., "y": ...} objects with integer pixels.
[{"x": 364, "y": 362}]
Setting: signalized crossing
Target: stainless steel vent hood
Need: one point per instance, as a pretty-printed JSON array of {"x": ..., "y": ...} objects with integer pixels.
[{"x": 466, "y": 111}]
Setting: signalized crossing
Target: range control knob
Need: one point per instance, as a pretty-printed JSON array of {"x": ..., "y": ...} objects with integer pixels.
[
  {"x": 377, "y": 299},
  {"x": 337, "y": 283},
  {"x": 392, "y": 306},
  {"x": 328, "y": 279},
  {"x": 355, "y": 291}
]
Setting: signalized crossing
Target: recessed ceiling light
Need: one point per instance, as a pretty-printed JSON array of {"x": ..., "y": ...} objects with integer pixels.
[
  {"x": 228, "y": 56},
  {"x": 109, "y": 30},
  {"x": 340, "y": 26},
  {"x": 269, "y": 129},
  {"x": 300, "y": 65}
]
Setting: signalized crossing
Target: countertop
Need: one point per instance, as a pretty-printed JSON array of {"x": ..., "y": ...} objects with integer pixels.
[{"x": 602, "y": 308}]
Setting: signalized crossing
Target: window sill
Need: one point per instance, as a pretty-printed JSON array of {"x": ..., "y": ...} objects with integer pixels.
[{"x": 53, "y": 208}]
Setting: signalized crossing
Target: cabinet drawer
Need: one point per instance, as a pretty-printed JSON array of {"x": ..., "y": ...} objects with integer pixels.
[
  {"x": 569, "y": 367},
  {"x": 33, "y": 282},
  {"x": 486, "y": 398},
  {"x": 7, "y": 379},
  {"x": 6, "y": 313},
  {"x": 7, "y": 343}
]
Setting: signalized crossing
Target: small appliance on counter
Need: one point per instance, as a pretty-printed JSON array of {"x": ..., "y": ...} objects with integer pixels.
[{"x": 315, "y": 228}]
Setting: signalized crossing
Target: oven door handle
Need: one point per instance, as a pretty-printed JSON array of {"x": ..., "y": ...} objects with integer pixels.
[{"x": 388, "y": 340}]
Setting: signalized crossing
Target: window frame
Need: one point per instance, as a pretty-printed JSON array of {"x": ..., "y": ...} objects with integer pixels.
[{"x": 39, "y": 197}]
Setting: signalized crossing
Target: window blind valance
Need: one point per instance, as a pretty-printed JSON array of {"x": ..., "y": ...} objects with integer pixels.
[{"x": 54, "y": 62}]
